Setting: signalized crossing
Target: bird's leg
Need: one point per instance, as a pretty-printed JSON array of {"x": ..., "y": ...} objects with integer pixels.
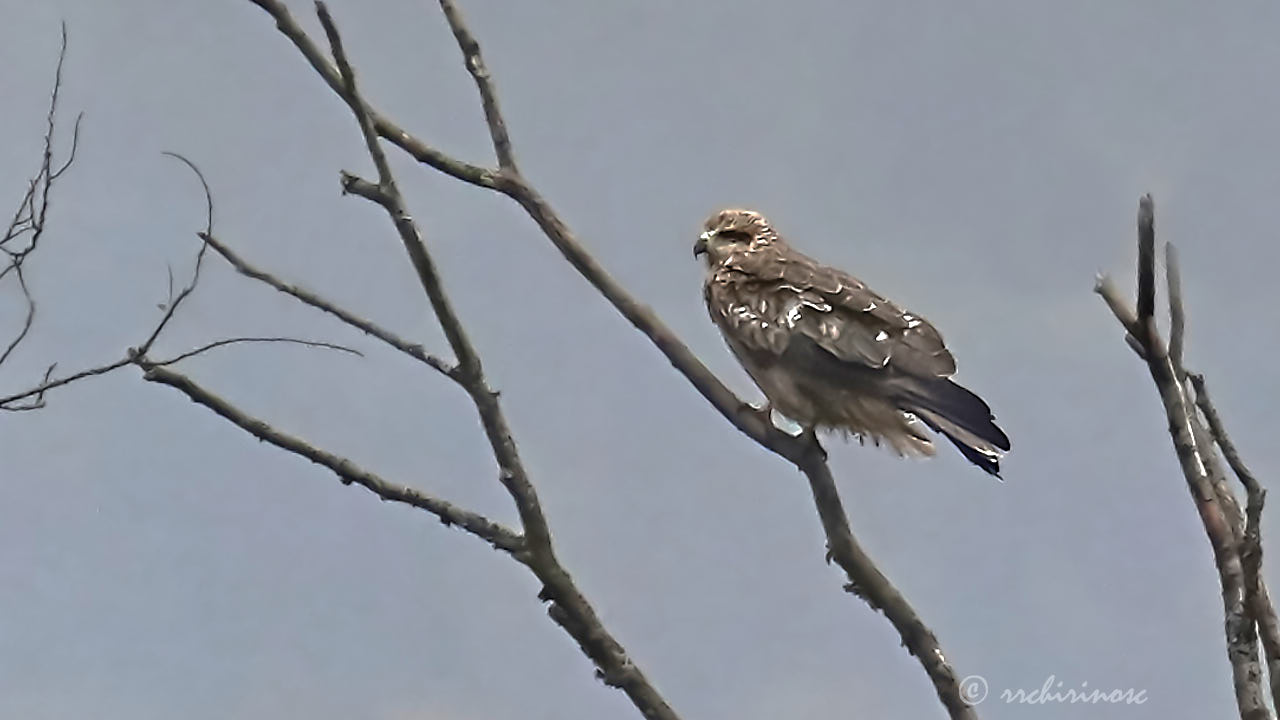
[{"x": 810, "y": 436}]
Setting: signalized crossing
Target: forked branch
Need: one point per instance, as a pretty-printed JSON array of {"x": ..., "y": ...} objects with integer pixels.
[
  {"x": 27, "y": 225},
  {"x": 568, "y": 607},
  {"x": 1235, "y": 538},
  {"x": 864, "y": 577}
]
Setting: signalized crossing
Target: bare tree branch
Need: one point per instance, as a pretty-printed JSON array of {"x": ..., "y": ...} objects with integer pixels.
[
  {"x": 175, "y": 301},
  {"x": 484, "y": 83},
  {"x": 237, "y": 340},
  {"x": 37, "y": 399},
  {"x": 1259, "y": 613},
  {"x": 6, "y": 403},
  {"x": 804, "y": 452},
  {"x": 864, "y": 578},
  {"x": 1146, "y": 259},
  {"x": 28, "y": 318},
  {"x": 1218, "y": 512},
  {"x": 36, "y": 394},
  {"x": 1220, "y": 435},
  {"x": 414, "y": 350},
  {"x": 424, "y": 153},
  {"x": 1259, "y": 599},
  {"x": 204, "y": 185},
  {"x": 347, "y": 471},
  {"x": 569, "y": 608},
  {"x": 31, "y": 216},
  {"x": 1177, "y": 316}
]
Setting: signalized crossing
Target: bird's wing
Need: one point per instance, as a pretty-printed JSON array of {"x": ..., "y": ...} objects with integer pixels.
[{"x": 767, "y": 296}]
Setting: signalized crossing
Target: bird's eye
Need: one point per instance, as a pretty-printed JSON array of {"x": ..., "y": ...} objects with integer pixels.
[{"x": 734, "y": 235}]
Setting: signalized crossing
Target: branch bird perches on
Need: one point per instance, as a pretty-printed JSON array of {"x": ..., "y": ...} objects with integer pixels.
[{"x": 864, "y": 578}]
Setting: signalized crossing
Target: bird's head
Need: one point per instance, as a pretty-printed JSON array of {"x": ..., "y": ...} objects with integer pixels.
[{"x": 732, "y": 230}]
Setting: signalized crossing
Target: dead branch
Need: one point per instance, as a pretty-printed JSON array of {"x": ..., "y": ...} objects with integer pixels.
[
  {"x": 8, "y": 402},
  {"x": 347, "y": 471},
  {"x": 484, "y": 84},
  {"x": 568, "y": 608},
  {"x": 533, "y": 548},
  {"x": 1258, "y": 596},
  {"x": 158, "y": 371},
  {"x": 803, "y": 452},
  {"x": 308, "y": 297},
  {"x": 29, "y": 220},
  {"x": 1235, "y": 553},
  {"x": 452, "y": 167},
  {"x": 35, "y": 396},
  {"x": 1177, "y": 316},
  {"x": 238, "y": 340}
]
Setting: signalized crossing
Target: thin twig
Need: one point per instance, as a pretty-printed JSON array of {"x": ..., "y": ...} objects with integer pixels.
[
  {"x": 39, "y": 390},
  {"x": 236, "y": 340},
  {"x": 29, "y": 317},
  {"x": 36, "y": 402},
  {"x": 174, "y": 302},
  {"x": 204, "y": 185},
  {"x": 171, "y": 307},
  {"x": 33, "y": 211},
  {"x": 31, "y": 216},
  {"x": 313, "y": 299}
]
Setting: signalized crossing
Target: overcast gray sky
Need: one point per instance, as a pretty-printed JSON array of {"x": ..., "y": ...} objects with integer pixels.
[{"x": 977, "y": 161}]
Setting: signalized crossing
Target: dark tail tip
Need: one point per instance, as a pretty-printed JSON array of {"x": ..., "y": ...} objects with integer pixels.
[
  {"x": 961, "y": 416},
  {"x": 990, "y": 464}
]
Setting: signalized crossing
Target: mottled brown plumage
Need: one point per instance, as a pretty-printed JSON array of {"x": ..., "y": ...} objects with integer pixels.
[{"x": 831, "y": 353}]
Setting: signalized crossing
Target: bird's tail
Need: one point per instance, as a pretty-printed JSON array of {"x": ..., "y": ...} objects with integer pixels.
[{"x": 958, "y": 414}]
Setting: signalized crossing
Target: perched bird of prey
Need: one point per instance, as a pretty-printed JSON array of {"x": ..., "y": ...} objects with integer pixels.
[{"x": 830, "y": 353}]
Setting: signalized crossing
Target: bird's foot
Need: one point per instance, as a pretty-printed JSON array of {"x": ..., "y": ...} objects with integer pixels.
[
  {"x": 854, "y": 588},
  {"x": 765, "y": 410}
]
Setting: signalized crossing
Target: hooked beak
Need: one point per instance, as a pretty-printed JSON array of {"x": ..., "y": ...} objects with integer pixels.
[{"x": 700, "y": 245}]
